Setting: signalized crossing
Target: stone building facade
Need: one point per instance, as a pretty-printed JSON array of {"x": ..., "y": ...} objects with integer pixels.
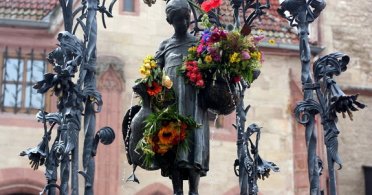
[{"x": 135, "y": 32}]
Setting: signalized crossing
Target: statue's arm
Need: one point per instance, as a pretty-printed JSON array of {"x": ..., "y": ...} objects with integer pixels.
[{"x": 160, "y": 54}]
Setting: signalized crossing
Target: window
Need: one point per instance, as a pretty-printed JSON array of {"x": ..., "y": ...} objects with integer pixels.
[
  {"x": 19, "y": 71},
  {"x": 130, "y": 7}
]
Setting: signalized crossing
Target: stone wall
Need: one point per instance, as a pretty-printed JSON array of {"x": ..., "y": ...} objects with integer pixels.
[{"x": 346, "y": 27}]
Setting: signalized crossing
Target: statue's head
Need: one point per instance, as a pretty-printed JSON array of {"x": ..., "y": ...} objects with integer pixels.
[{"x": 178, "y": 15}]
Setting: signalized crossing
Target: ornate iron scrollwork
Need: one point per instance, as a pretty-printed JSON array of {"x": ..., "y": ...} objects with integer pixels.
[
  {"x": 330, "y": 98},
  {"x": 75, "y": 99}
]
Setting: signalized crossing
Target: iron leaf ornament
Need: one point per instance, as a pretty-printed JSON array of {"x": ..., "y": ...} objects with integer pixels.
[{"x": 249, "y": 166}]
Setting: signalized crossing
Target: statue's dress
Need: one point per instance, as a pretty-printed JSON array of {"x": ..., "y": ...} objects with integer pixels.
[{"x": 169, "y": 57}]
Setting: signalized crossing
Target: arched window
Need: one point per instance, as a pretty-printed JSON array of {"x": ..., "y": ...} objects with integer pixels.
[
  {"x": 155, "y": 189},
  {"x": 21, "y": 181}
]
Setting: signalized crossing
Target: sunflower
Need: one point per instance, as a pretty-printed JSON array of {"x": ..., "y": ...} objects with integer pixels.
[
  {"x": 182, "y": 132},
  {"x": 166, "y": 135},
  {"x": 162, "y": 149},
  {"x": 181, "y": 135}
]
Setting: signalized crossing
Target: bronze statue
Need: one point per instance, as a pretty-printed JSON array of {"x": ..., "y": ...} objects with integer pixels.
[{"x": 192, "y": 163}]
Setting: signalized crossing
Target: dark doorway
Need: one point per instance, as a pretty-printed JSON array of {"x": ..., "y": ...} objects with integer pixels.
[{"x": 368, "y": 179}]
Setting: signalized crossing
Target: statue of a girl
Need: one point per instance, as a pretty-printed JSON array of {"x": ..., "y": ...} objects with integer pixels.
[{"x": 192, "y": 163}]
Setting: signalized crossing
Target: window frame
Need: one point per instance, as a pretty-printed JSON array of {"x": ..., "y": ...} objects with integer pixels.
[
  {"x": 136, "y": 5},
  {"x": 25, "y": 56}
]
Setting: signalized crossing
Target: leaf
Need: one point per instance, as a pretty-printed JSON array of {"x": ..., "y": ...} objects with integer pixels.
[{"x": 138, "y": 80}]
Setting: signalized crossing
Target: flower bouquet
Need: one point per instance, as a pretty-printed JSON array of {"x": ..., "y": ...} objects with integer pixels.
[
  {"x": 165, "y": 130},
  {"x": 219, "y": 60},
  {"x": 158, "y": 84}
]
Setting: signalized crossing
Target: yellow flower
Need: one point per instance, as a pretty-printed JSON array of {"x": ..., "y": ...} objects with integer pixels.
[
  {"x": 208, "y": 59},
  {"x": 153, "y": 64},
  {"x": 147, "y": 73},
  {"x": 167, "y": 82},
  {"x": 148, "y": 59},
  {"x": 272, "y": 41},
  {"x": 256, "y": 55},
  {"x": 143, "y": 71},
  {"x": 192, "y": 49},
  {"x": 234, "y": 57},
  {"x": 147, "y": 65}
]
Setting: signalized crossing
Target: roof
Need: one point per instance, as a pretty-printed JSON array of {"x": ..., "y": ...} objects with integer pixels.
[
  {"x": 30, "y": 10},
  {"x": 273, "y": 26}
]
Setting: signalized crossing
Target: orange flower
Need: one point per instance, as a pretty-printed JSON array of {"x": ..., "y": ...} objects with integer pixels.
[
  {"x": 181, "y": 135},
  {"x": 163, "y": 149},
  {"x": 166, "y": 135},
  {"x": 183, "y": 126},
  {"x": 154, "y": 89}
]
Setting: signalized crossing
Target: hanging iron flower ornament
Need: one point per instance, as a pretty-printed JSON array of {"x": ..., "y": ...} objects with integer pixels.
[
  {"x": 38, "y": 154},
  {"x": 324, "y": 70}
]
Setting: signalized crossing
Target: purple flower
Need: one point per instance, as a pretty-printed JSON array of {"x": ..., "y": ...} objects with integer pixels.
[
  {"x": 214, "y": 53},
  {"x": 205, "y": 36},
  {"x": 216, "y": 57},
  {"x": 245, "y": 55},
  {"x": 258, "y": 38}
]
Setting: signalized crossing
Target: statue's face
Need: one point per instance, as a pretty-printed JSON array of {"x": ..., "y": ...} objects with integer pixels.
[{"x": 180, "y": 22}]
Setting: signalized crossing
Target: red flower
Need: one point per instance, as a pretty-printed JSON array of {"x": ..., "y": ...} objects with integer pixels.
[
  {"x": 206, "y": 6},
  {"x": 216, "y": 3},
  {"x": 188, "y": 74},
  {"x": 195, "y": 69},
  {"x": 236, "y": 79},
  {"x": 181, "y": 134},
  {"x": 193, "y": 77},
  {"x": 199, "y": 76},
  {"x": 154, "y": 89},
  {"x": 189, "y": 67},
  {"x": 200, "y": 83},
  {"x": 211, "y": 4},
  {"x": 183, "y": 126}
]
